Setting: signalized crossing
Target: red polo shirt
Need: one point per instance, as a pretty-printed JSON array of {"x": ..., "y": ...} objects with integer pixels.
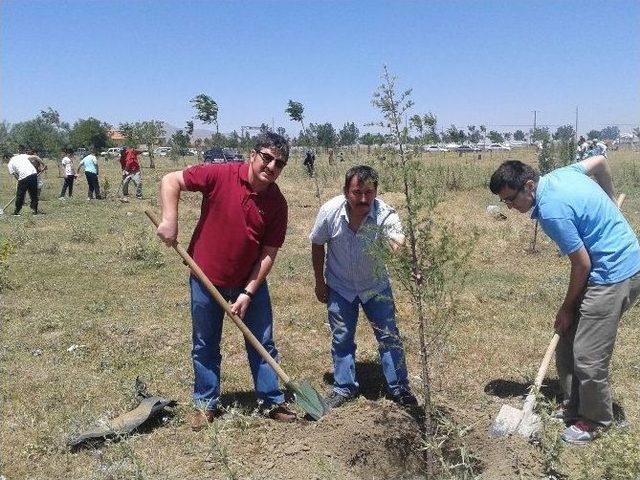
[
  {"x": 235, "y": 222},
  {"x": 131, "y": 161}
]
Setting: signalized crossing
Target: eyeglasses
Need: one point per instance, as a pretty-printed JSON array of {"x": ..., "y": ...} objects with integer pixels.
[
  {"x": 267, "y": 159},
  {"x": 513, "y": 197}
]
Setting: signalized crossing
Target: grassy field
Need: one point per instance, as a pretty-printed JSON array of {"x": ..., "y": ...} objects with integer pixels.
[{"x": 92, "y": 274}]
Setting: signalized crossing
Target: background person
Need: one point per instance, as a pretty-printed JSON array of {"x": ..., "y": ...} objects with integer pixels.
[
  {"x": 22, "y": 169},
  {"x": 91, "y": 171},
  {"x": 348, "y": 224},
  {"x": 580, "y": 216},
  {"x": 68, "y": 172},
  {"x": 40, "y": 167},
  {"x": 131, "y": 173},
  {"x": 242, "y": 225}
]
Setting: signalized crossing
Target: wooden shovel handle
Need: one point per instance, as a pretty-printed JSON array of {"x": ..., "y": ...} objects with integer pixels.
[
  {"x": 542, "y": 371},
  {"x": 195, "y": 269},
  {"x": 554, "y": 340}
]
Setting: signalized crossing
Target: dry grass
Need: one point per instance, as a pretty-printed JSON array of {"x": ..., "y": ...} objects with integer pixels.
[{"x": 92, "y": 274}]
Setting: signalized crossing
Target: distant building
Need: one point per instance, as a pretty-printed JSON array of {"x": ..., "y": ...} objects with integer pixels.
[{"x": 117, "y": 137}]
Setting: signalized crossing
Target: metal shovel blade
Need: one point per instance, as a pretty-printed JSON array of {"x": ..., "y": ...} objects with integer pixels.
[
  {"x": 308, "y": 399},
  {"x": 506, "y": 422},
  {"x": 511, "y": 420}
]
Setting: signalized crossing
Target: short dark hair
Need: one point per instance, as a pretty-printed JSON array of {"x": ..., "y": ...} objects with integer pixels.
[
  {"x": 272, "y": 140},
  {"x": 513, "y": 174},
  {"x": 364, "y": 174}
]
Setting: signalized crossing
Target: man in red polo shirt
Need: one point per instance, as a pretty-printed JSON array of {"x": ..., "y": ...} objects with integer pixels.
[
  {"x": 242, "y": 225},
  {"x": 131, "y": 172}
]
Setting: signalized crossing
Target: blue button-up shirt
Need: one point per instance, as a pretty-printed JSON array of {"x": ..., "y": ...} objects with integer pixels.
[{"x": 351, "y": 270}]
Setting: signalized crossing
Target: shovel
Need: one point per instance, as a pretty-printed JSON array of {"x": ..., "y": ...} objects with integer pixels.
[
  {"x": 5, "y": 207},
  {"x": 510, "y": 420},
  {"x": 307, "y": 398}
]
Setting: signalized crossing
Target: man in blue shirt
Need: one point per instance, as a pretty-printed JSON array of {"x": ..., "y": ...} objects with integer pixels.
[
  {"x": 91, "y": 170},
  {"x": 348, "y": 224},
  {"x": 578, "y": 213}
]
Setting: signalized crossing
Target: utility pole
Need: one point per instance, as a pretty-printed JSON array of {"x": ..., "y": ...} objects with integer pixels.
[
  {"x": 535, "y": 116},
  {"x": 576, "y": 134}
]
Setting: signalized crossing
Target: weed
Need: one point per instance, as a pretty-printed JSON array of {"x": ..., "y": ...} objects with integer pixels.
[
  {"x": 447, "y": 445},
  {"x": 615, "y": 456},
  {"x": 82, "y": 234},
  {"x": 106, "y": 188},
  {"x": 143, "y": 250},
  {"x": 6, "y": 249},
  {"x": 20, "y": 236},
  {"x": 53, "y": 249},
  {"x": 549, "y": 440},
  {"x": 219, "y": 450}
]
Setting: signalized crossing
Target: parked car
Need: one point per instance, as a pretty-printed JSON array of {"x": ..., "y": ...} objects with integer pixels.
[
  {"x": 162, "y": 151},
  {"x": 467, "y": 148},
  {"x": 111, "y": 152},
  {"x": 232, "y": 155},
  {"x": 222, "y": 155},
  {"x": 498, "y": 146},
  {"x": 193, "y": 151},
  {"x": 214, "y": 155},
  {"x": 435, "y": 148}
]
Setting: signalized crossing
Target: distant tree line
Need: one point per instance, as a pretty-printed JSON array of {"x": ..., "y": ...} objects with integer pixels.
[{"x": 47, "y": 134}]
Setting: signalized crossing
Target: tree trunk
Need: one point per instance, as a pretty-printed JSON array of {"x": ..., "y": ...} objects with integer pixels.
[{"x": 152, "y": 164}]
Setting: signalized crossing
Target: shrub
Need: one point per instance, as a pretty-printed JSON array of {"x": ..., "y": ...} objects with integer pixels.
[
  {"x": 143, "y": 250},
  {"x": 82, "y": 234}
]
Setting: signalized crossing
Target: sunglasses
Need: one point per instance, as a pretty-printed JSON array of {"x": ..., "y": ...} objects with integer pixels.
[{"x": 267, "y": 159}]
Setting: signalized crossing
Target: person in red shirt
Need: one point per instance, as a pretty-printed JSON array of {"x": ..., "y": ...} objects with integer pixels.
[
  {"x": 131, "y": 173},
  {"x": 242, "y": 225}
]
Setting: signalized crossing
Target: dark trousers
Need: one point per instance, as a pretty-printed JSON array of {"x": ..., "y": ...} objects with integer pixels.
[
  {"x": 68, "y": 184},
  {"x": 27, "y": 184},
  {"x": 94, "y": 186}
]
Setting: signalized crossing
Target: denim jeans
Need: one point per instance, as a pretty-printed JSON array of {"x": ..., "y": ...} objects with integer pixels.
[
  {"x": 343, "y": 318},
  {"x": 207, "y": 318}
]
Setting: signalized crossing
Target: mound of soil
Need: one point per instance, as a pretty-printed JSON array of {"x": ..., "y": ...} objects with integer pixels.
[{"x": 363, "y": 439}]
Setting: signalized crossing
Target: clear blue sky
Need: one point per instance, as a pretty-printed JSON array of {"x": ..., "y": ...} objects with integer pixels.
[{"x": 469, "y": 62}]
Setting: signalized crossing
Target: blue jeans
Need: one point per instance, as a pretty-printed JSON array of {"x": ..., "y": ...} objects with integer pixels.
[
  {"x": 343, "y": 318},
  {"x": 207, "y": 316}
]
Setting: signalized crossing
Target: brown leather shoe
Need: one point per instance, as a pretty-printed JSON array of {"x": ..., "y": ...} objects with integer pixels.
[
  {"x": 282, "y": 413},
  {"x": 201, "y": 419}
]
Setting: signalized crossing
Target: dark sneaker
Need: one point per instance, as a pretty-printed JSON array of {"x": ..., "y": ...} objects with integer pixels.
[
  {"x": 580, "y": 433},
  {"x": 280, "y": 413},
  {"x": 17, "y": 215},
  {"x": 202, "y": 418},
  {"x": 405, "y": 399},
  {"x": 334, "y": 399}
]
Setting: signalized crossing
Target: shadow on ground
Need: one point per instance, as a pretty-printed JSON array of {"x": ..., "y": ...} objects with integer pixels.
[
  {"x": 550, "y": 390},
  {"x": 510, "y": 388},
  {"x": 369, "y": 376}
]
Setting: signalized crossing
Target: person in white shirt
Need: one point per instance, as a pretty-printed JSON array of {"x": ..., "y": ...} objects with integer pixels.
[
  {"x": 23, "y": 170},
  {"x": 40, "y": 167},
  {"x": 68, "y": 172}
]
